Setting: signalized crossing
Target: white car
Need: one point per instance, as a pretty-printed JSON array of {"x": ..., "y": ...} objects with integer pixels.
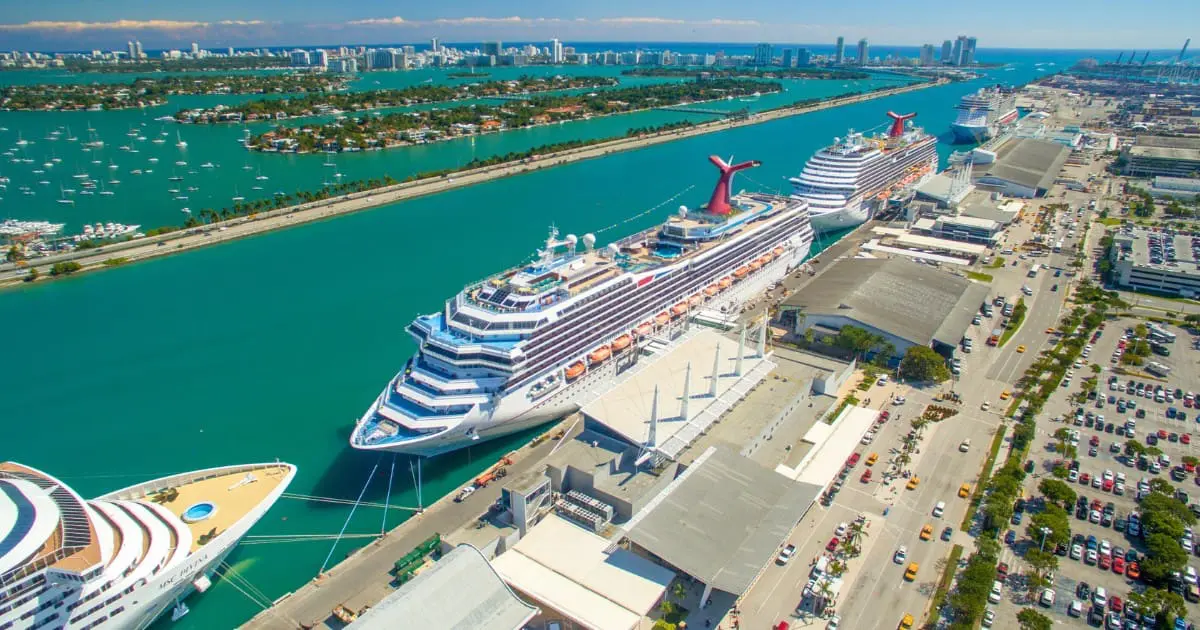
[
  {"x": 1091, "y": 556},
  {"x": 985, "y": 406},
  {"x": 1076, "y": 552},
  {"x": 834, "y": 622},
  {"x": 1072, "y": 475},
  {"x": 1105, "y": 546},
  {"x": 1189, "y": 576},
  {"x": 940, "y": 509},
  {"x": 997, "y": 592},
  {"x": 1100, "y": 596},
  {"x": 1047, "y": 598},
  {"x": 901, "y": 555},
  {"x": 840, "y": 532},
  {"x": 965, "y": 445},
  {"x": 989, "y": 618},
  {"x": 900, "y": 400},
  {"x": 786, "y": 554}
]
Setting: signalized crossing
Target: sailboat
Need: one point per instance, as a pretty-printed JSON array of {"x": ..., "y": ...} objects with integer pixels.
[
  {"x": 247, "y": 167},
  {"x": 329, "y": 161},
  {"x": 104, "y": 192},
  {"x": 181, "y": 144},
  {"x": 261, "y": 177},
  {"x": 63, "y": 198},
  {"x": 236, "y": 196},
  {"x": 70, "y": 137}
]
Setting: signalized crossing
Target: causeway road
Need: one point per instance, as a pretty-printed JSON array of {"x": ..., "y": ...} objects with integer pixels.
[{"x": 224, "y": 231}]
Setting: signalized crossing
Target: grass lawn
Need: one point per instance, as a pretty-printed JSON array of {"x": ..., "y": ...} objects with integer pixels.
[
  {"x": 943, "y": 587},
  {"x": 984, "y": 476},
  {"x": 997, "y": 263},
  {"x": 1110, "y": 221},
  {"x": 982, "y": 277}
]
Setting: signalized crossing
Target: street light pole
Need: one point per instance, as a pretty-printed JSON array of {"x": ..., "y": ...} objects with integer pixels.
[{"x": 1045, "y": 532}]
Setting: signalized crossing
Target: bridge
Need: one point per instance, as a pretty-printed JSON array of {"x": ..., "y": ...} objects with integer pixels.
[{"x": 688, "y": 109}]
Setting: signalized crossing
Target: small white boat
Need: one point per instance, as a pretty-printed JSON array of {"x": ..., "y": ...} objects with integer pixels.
[
  {"x": 207, "y": 165},
  {"x": 186, "y": 210},
  {"x": 153, "y": 160},
  {"x": 181, "y": 144},
  {"x": 180, "y": 163}
]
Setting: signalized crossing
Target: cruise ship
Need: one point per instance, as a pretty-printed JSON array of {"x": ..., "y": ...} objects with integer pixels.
[
  {"x": 982, "y": 113},
  {"x": 846, "y": 180},
  {"x": 519, "y": 348},
  {"x": 123, "y": 559}
]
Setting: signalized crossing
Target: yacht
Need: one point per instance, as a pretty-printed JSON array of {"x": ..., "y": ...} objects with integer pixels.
[
  {"x": 519, "y": 348},
  {"x": 125, "y": 558},
  {"x": 846, "y": 180}
]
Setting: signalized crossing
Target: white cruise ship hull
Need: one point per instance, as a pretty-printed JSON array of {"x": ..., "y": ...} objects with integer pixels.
[
  {"x": 964, "y": 134},
  {"x": 517, "y": 411},
  {"x": 852, "y": 215}
]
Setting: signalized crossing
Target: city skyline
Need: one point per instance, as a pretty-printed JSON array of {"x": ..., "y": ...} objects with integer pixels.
[{"x": 222, "y": 23}]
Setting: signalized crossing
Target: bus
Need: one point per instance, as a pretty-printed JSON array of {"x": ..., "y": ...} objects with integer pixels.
[
  {"x": 1161, "y": 333},
  {"x": 1158, "y": 369},
  {"x": 1033, "y": 271}
]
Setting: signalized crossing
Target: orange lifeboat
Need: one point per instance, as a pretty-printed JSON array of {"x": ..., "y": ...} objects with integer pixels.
[
  {"x": 711, "y": 290},
  {"x": 622, "y": 342},
  {"x": 679, "y": 309},
  {"x": 575, "y": 370},
  {"x": 599, "y": 355},
  {"x": 662, "y": 318},
  {"x": 696, "y": 300},
  {"x": 755, "y": 265},
  {"x": 765, "y": 259},
  {"x": 644, "y": 329},
  {"x": 741, "y": 272},
  {"x": 725, "y": 283},
  {"x": 778, "y": 251}
]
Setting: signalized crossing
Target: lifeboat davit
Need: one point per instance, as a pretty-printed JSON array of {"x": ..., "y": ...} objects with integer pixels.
[
  {"x": 755, "y": 265},
  {"x": 778, "y": 251},
  {"x": 696, "y": 300},
  {"x": 645, "y": 329},
  {"x": 741, "y": 272},
  {"x": 725, "y": 283},
  {"x": 575, "y": 370},
  {"x": 679, "y": 309},
  {"x": 622, "y": 342},
  {"x": 711, "y": 290},
  {"x": 599, "y": 355},
  {"x": 662, "y": 318}
]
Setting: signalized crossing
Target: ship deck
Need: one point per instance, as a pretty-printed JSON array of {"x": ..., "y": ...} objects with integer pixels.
[{"x": 230, "y": 493}]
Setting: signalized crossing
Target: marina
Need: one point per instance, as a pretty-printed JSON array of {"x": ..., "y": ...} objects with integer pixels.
[{"x": 190, "y": 296}]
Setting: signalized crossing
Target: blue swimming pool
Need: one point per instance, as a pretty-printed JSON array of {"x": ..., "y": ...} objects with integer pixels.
[{"x": 199, "y": 512}]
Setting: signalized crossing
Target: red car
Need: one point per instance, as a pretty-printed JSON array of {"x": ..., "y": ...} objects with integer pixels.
[
  {"x": 1115, "y": 603},
  {"x": 1133, "y": 571},
  {"x": 1118, "y": 565},
  {"x": 1162, "y": 434},
  {"x": 1186, "y": 438},
  {"x": 853, "y": 459},
  {"x": 1189, "y": 466},
  {"x": 1095, "y": 441},
  {"x": 1105, "y": 561},
  {"x": 885, "y": 415},
  {"x": 782, "y": 625},
  {"x": 1085, "y": 479},
  {"x": 1107, "y": 485},
  {"x": 1002, "y": 571},
  {"x": 833, "y": 543},
  {"x": 866, "y": 476}
]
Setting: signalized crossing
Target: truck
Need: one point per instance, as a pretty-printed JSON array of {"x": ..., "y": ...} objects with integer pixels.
[
  {"x": 1158, "y": 369},
  {"x": 1033, "y": 271},
  {"x": 994, "y": 338}
]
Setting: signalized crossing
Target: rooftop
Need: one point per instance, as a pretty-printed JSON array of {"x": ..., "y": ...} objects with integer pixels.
[
  {"x": 572, "y": 571},
  {"x": 1134, "y": 245},
  {"x": 723, "y": 519},
  {"x": 1166, "y": 147},
  {"x": 461, "y": 591},
  {"x": 1027, "y": 162},
  {"x": 912, "y": 301}
]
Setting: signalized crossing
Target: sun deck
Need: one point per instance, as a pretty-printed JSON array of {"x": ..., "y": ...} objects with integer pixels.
[
  {"x": 74, "y": 545},
  {"x": 231, "y": 493}
]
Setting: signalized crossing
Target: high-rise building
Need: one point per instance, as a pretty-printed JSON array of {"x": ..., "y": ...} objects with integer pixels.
[
  {"x": 229, "y": 51},
  {"x": 299, "y": 57},
  {"x": 946, "y": 51},
  {"x": 195, "y": 49},
  {"x": 556, "y": 52},
  {"x": 380, "y": 60},
  {"x": 969, "y": 55},
  {"x": 864, "y": 52},
  {"x": 492, "y": 48},
  {"x": 130, "y": 50},
  {"x": 320, "y": 59},
  {"x": 788, "y": 61},
  {"x": 839, "y": 56},
  {"x": 137, "y": 49},
  {"x": 956, "y": 56},
  {"x": 926, "y": 55},
  {"x": 803, "y": 57},
  {"x": 763, "y": 55},
  {"x": 435, "y": 45}
]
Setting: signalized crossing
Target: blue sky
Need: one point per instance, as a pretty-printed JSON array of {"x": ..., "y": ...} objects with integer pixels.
[{"x": 85, "y": 24}]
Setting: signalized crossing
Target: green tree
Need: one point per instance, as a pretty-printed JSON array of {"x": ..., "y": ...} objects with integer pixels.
[
  {"x": 34, "y": 274},
  {"x": 1031, "y": 619},
  {"x": 1055, "y": 519},
  {"x": 1163, "y": 556},
  {"x": 921, "y": 363}
]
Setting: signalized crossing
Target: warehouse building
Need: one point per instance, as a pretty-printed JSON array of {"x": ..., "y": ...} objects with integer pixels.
[
  {"x": 1156, "y": 262},
  {"x": 1024, "y": 167},
  {"x": 907, "y": 303}
]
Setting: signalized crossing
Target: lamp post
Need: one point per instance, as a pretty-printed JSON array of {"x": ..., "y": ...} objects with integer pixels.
[{"x": 1045, "y": 532}]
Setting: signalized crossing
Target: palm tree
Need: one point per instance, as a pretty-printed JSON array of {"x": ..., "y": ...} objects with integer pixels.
[{"x": 857, "y": 531}]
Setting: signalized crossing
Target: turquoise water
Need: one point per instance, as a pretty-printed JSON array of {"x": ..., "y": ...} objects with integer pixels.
[{"x": 272, "y": 346}]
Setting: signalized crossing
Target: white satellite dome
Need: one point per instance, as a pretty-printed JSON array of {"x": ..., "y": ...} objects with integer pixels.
[
  {"x": 683, "y": 211},
  {"x": 571, "y": 240},
  {"x": 612, "y": 249},
  {"x": 589, "y": 240}
]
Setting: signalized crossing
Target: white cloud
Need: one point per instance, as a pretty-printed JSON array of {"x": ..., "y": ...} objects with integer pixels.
[
  {"x": 47, "y": 25},
  {"x": 481, "y": 20},
  {"x": 640, "y": 20},
  {"x": 244, "y": 22},
  {"x": 392, "y": 21},
  {"x": 720, "y": 22}
]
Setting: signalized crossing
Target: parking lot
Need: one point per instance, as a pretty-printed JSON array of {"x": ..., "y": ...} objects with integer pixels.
[{"x": 1108, "y": 476}]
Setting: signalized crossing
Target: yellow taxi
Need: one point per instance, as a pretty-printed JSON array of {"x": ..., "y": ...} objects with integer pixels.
[
  {"x": 910, "y": 573},
  {"x": 1049, "y": 331},
  {"x": 872, "y": 458},
  {"x": 906, "y": 622},
  {"x": 1005, "y": 395},
  {"x": 1021, "y": 348},
  {"x": 927, "y": 532},
  {"x": 913, "y": 483},
  {"x": 964, "y": 490}
]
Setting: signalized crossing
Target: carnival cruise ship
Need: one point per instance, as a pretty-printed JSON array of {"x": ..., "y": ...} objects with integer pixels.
[
  {"x": 845, "y": 181},
  {"x": 123, "y": 559},
  {"x": 982, "y": 113},
  {"x": 518, "y": 349}
]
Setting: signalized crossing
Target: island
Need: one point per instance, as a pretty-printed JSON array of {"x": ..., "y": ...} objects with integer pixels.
[
  {"x": 468, "y": 75},
  {"x": 756, "y": 73},
  {"x": 206, "y": 64},
  {"x": 322, "y": 103},
  {"x": 361, "y": 133},
  {"x": 148, "y": 92}
]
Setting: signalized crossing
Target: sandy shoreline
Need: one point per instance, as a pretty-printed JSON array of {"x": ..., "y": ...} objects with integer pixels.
[{"x": 201, "y": 236}]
